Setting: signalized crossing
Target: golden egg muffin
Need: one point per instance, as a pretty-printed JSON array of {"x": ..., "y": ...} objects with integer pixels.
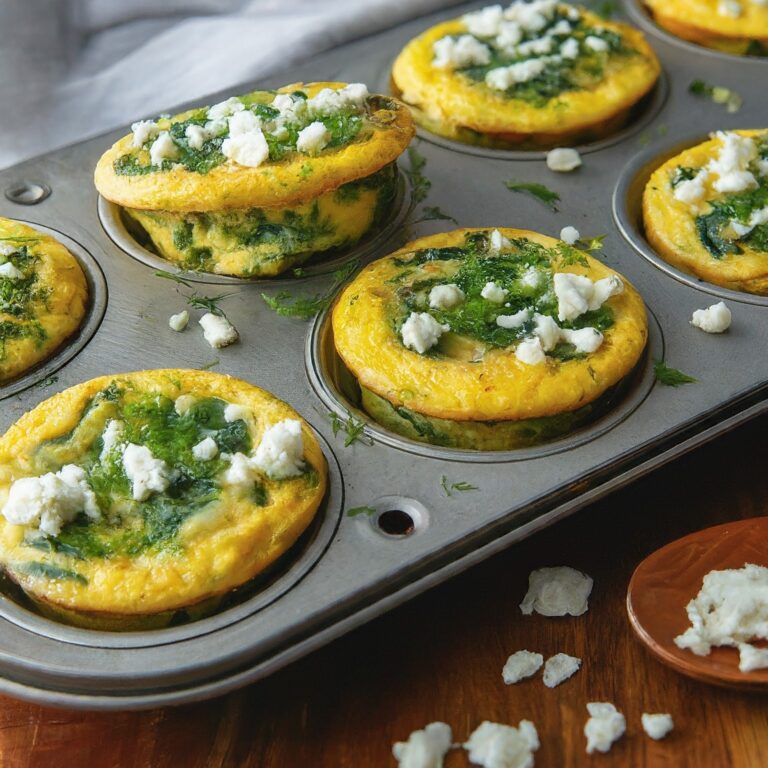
[
  {"x": 43, "y": 297},
  {"x": 260, "y": 182},
  {"x": 731, "y": 26},
  {"x": 488, "y": 339},
  {"x": 536, "y": 74},
  {"x": 129, "y": 498},
  {"x": 705, "y": 210}
]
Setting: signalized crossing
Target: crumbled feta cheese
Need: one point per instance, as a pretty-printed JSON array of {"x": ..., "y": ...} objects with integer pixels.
[
  {"x": 163, "y": 148},
  {"x": 217, "y": 330},
  {"x": 740, "y": 230},
  {"x": 713, "y": 319},
  {"x": 573, "y": 294},
  {"x": 730, "y": 8},
  {"x": 10, "y": 272},
  {"x": 235, "y": 412},
  {"x": 530, "y": 352},
  {"x": 292, "y": 110},
  {"x": 494, "y": 293},
  {"x": 530, "y": 278},
  {"x": 196, "y": 136},
  {"x": 596, "y": 44},
  {"x": 730, "y": 609},
  {"x": 421, "y": 331},
  {"x": 604, "y": 289},
  {"x": 513, "y": 321},
  {"x": 533, "y": 16},
  {"x": 536, "y": 47},
  {"x": 735, "y": 181},
  {"x": 497, "y": 242},
  {"x": 559, "y": 668},
  {"x": 762, "y": 166},
  {"x": 605, "y": 725},
  {"x": 657, "y": 726},
  {"x": 692, "y": 190},
  {"x": 146, "y": 473},
  {"x": 313, "y": 139},
  {"x": 241, "y": 471},
  {"x": 485, "y": 22},
  {"x": 563, "y": 159},
  {"x": 547, "y": 331},
  {"x": 178, "y": 322},
  {"x": 225, "y": 108},
  {"x": 445, "y": 296},
  {"x": 184, "y": 403},
  {"x": 492, "y": 745},
  {"x": 731, "y": 164},
  {"x": 502, "y": 78},
  {"x": 586, "y": 340},
  {"x": 425, "y": 748},
  {"x": 205, "y": 450},
  {"x": 217, "y": 127},
  {"x": 510, "y": 34},
  {"x": 751, "y": 658},
  {"x": 562, "y": 27},
  {"x": 50, "y": 501},
  {"x": 111, "y": 437},
  {"x": 520, "y": 666},
  {"x": 280, "y": 454},
  {"x": 559, "y": 591},
  {"x": 459, "y": 52},
  {"x": 243, "y": 122},
  {"x": 327, "y": 101},
  {"x": 143, "y": 131},
  {"x": 248, "y": 149},
  {"x": 6, "y": 249},
  {"x": 570, "y": 235},
  {"x": 570, "y": 48}
]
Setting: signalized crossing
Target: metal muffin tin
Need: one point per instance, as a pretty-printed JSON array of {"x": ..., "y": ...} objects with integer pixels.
[{"x": 347, "y": 570}]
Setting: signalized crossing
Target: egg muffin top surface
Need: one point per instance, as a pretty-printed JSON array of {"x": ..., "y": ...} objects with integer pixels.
[
  {"x": 489, "y": 325},
  {"x": 262, "y": 149},
  {"x": 539, "y": 67},
  {"x": 706, "y": 210},
  {"x": 144, "y": 492},
  {"x": 43, "y": 297}
]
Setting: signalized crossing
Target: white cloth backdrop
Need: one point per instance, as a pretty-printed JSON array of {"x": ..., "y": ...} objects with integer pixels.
[{"x": 70, "y": 69}]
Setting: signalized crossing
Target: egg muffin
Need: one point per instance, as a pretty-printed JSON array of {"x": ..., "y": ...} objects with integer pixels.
[
  {"x": 732, "y": 26},
  {"x": 260, "y": 182},
  {"x": 130, "y": 498},
  {"x": 535, "y": 74},
  {"x": 488, "y": 339},
  {"x": 43, "y": 297},
  {"x": 705, "y": 210}
]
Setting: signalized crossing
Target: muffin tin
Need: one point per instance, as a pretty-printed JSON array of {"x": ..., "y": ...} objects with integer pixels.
[{"x": 348, "y": 569}]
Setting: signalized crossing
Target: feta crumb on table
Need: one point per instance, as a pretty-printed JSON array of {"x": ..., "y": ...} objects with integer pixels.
[
  {"x": 493, "y": 745},
  {"x": 218, "y": 331},
  {"x": 179, "y": 321},
  {"x": 569, "y": 235},
  {"x": 559, "y": 668},
  {"x": 520, "y": 666},
  {"x": 714, "y": 319},
  {"x": 425, "y": 748},
  {"x": 563, "y": 159},
  {"x": 657, "y": 726},
  {"x": 605, "y": 726},
  {"x": 559, "y": 591}
]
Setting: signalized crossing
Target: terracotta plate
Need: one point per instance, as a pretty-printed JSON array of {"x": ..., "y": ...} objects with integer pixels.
[{"x": 664, "y": 583}]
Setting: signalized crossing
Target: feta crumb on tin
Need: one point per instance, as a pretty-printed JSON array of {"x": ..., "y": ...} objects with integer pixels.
[
  {"x": 205, "y": 450},
  {"x": 563, "y": 159},
  {"x": 147, "y": 473},
  {"x": 445, "y": 296},
  {"x": 714, "y": 319},
  {"x": 657, "y": 726},
  {"x": 179, "y": 321},
  {"x": 425, "y": 748},
  {"x": 530, "y": 351},
  {"x": 559, "y": 668},
  {"x": 280, "y": 454},
  {"x": 10, "y": 272},
  {"x": 247, "y": 149},
  {"x": 235, "y": 412},
  {"x": 558, "y": 591},
  {"x": 217, "y": 330},
  {"x": 605, "y": 725},
  {"x": 51, "y": 500},
  {"x": 493, "y": 745},
  {"x": 143, "y": 131},
  {"x": 162, "y": 149},
  {"x": 494, "y": 292},
  {"x": 520, "y": 666},
  {"x": 111, "y": 437},
  {"x": 421, "y": 331},
  {"x": 513, "y": 321},
  {"x": 570, "y": 235},
  {"x": 313, "y": 138},
  {"x": 183, "y": 403},
  {"x": 463, "y": 51}
]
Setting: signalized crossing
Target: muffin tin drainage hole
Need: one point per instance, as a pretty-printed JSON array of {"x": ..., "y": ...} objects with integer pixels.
[
  {"x": 396, "y": 522},
  {"x": 27, "y": 193}
]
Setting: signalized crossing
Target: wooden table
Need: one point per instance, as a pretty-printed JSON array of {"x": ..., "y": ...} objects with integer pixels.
[{"x": 440, "y": 658}]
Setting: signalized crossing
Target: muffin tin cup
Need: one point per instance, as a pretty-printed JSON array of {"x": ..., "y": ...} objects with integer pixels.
[{"x": 389, "y": 530}]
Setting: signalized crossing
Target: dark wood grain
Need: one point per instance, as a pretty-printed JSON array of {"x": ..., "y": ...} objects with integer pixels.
[{"x": 440, "y": 658}]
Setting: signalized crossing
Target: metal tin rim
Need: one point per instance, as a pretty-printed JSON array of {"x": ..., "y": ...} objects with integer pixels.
[
  {"x": 97, "y": 306},
  {"x": 627, "y": 213},
  {"x": 112, "y": 221}
]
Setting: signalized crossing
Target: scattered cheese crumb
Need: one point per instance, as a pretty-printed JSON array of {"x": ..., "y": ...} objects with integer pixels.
[
  {"x": 713, "y": 319},
  {"x": 421, "y": 331},
  {"x": 691, "y": 191},
  {"x": 184, "y": 403},
  {"x": 162, "y": 149},
  {"x": 445, "y": 296},
  {"x": 235, "y": 412},
  {"x": 205, "y": 450},
  {"x": 10, "y": 272},
  {"x": 498, "y": 242},
  {"x": 313, "y": 138},
  {"x": 513, "y": 321},
  {"x": 559, "y": 668},
  {"x": 605, "y": 725},
  {"x": 146, "y": 473},
  {"x": 530, "y": 351},
  {"x": 729, "y": 8},
  {"x": 563, "y": 159},
  {"x": 455, "y": 53},
  {"x": 657, "y": 726},
  {"x": 596, "y": 44},
  {"x": 520, "y": 666},
  {"x": 247, "y": 149},
  {"x": 225, "y": 108},
  {"x": 559, "y": 591},
  {"x": 493, "y": 292},
  {"x": 425, "y": 748},
  {"x": 280, "y": 453},
  {"x": 502, "y": 78},
  {"x": 570, "y": 235},
  {"x": 196, "y": 136},
  {"x": 585, "y": 340},
  {"x": 492, "y": 745},
  {"x": 752, "y": 658},
  {"x": 218, "y": 331},
  {"x": 143, "y": 131},
  {"x": 179, "y": 321},
  {"x": 111, "y": 437}
]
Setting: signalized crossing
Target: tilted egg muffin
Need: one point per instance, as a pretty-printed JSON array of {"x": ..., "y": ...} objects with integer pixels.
[
  {"x": 128, "y": 498},
  {"x": 487, "y": 339},
  {"x": 260, "y": 182},
  {"x": 706, "y": 210},
  {"x": 732, "y": 26},
  {"x": 43, "y": 297},
  {"x": 534, "y": 74}
]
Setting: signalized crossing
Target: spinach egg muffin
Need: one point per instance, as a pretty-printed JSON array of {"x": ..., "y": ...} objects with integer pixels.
[
  {"x": 129, "y": 498},
  {"x": 488, "y": 339},
  {"x": 260, "y": 182},
  {"x": 535, "y": 74},
  {"x": 705, "y": 210},
  {"x": 43, "y": 297},
  {"x": 732, "y": 26}
]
